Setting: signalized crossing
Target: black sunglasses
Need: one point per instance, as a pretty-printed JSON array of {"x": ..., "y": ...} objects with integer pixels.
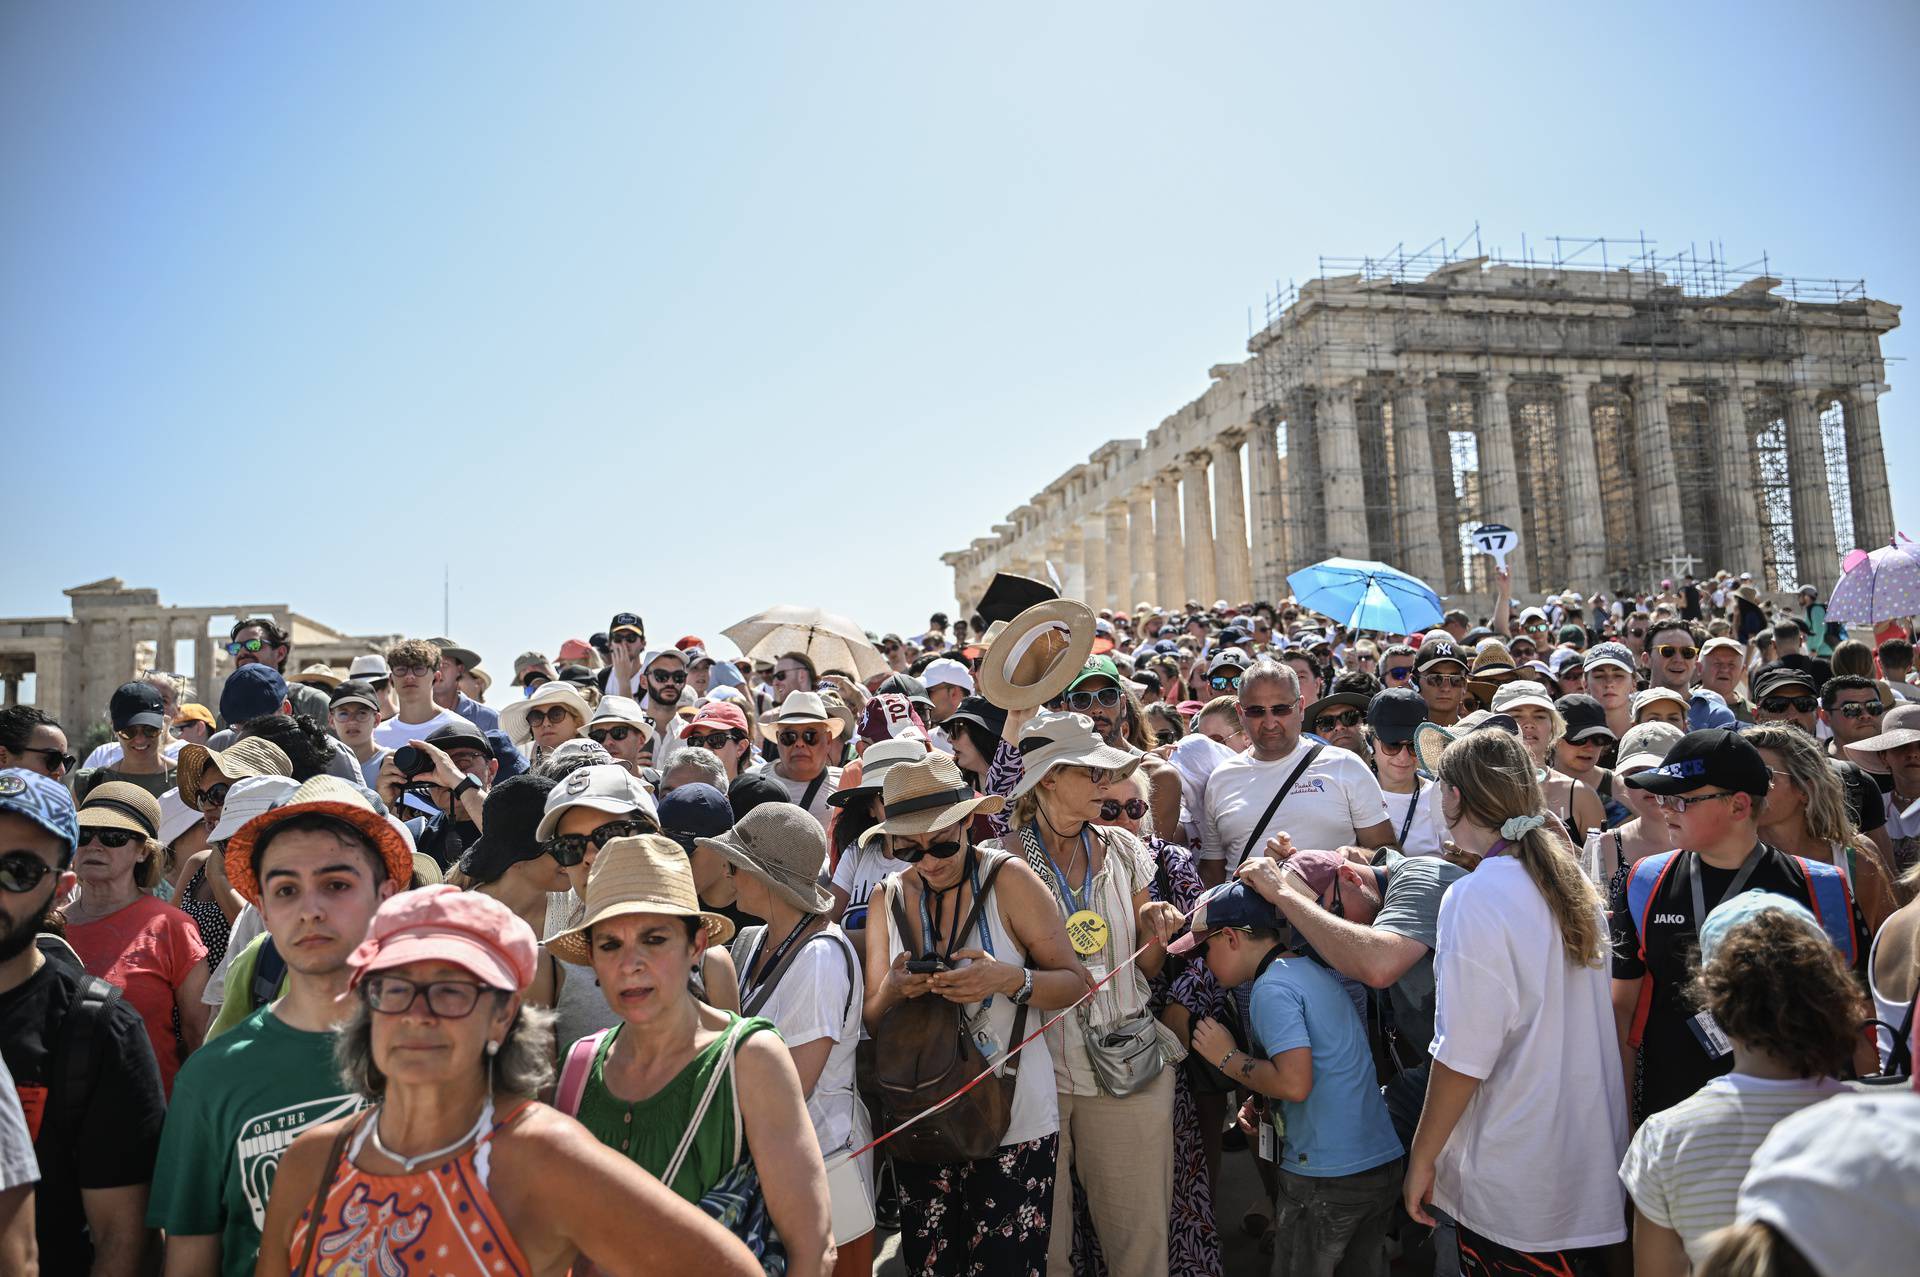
[
  {"x": 602, "y": 735},
  {"x": 809, "y": 735},
  {"x": 21, "y": 871},
  {"x": 111, "y": 839},
  {"x": 717, "y": 741},
  {"x": 1327, "y": 722},
  {"x": 57, "y": 763},
  {"x": 541, "y": 717},
  {"x": 1781, "y": 704},
  {"x": 667, "y": 676},
  {"x": 914, "y": 855},
  {"x": 1134, "y": 808},
  {"x": 570, "y": 849},
  {"x": 214, "y": 795}
]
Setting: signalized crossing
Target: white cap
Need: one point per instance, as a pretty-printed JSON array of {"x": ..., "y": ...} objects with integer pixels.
[
  {"x": 947, "y": 672},
  {"x": 1841, "y": 1180},
  {"x": 372, "y": 665},
  {"x": 607, "y": 787},
  {"x": 249, "y": 797}
]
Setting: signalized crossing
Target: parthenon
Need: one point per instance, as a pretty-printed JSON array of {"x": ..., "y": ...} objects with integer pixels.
[{"x": 1633, "y": 416}]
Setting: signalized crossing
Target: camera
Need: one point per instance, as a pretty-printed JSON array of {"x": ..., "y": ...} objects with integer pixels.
[{"x": 411, "y": 761}]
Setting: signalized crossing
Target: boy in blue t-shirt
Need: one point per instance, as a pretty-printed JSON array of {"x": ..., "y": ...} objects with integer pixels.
[{"x": 1340, "y": 1164}]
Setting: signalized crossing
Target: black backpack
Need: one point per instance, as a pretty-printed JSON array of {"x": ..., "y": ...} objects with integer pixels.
[{"x": 75, "y": 1066}]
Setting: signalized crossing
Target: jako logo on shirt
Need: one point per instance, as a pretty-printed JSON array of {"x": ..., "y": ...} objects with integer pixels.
[
  {"x": 1670, "y": 919},
  {"x": 264, "y": 1138}
]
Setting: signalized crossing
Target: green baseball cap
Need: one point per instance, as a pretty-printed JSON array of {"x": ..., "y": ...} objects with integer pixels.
[{"x": 1098, "y": 667}]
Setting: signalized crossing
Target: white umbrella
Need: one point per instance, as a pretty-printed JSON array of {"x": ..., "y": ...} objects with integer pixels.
[{"x": 829, "y": 640}]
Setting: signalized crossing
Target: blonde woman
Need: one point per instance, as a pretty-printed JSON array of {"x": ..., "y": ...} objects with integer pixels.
[
  {"x": 1805, "y": 815},
  {"x": 1532, "y": 710},
  {"x": 1525, "y": 1118}
]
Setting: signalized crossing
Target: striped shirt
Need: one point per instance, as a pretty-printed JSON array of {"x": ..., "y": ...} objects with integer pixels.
[{"x": 1685, "y": 1164}]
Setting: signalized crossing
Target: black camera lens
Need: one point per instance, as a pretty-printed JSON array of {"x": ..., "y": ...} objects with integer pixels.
[{"x": 411, "y": 761}]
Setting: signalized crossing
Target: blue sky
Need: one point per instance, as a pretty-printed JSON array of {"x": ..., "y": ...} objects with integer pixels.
[{"x": 698, "y": 309}]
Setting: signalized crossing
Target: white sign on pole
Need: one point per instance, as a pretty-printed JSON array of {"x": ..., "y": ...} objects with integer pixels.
[{"x": 1496, "y": 539}]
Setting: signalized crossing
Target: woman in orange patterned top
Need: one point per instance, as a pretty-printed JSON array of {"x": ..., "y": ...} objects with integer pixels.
[{"x": 453, "y": 1171}]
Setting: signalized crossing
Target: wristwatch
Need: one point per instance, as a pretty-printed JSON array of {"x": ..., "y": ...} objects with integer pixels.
[
  {"x": 466, "y": 783},
  {"x": 1026, "y": 987}
]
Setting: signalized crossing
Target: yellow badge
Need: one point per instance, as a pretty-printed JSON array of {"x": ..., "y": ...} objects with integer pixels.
[{"x": 1087, "y": 931}]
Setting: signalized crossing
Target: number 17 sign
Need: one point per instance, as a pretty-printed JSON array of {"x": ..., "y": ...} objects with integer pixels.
[{"x": 1496, "y": 539}]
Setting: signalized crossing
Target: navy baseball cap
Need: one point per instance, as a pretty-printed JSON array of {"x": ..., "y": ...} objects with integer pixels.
[
  {"x": 694, "y": 811},
  {"x": 1231, "y": 904},
  {"x": 252, "y": 690},
  {"x": 136, "y": 705},
  {"x": 45, "y": 802},
  {"x": 1395, "y": 714}
]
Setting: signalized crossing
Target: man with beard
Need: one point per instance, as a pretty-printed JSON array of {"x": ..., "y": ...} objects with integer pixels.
[
  {"x": 664, "y": 675},
  {"x": 317, "y": 869},
  {"x": 257, "y": 640},
  {"x": 95, "y": 1123},
  {"x": 1097, "y": 693}
]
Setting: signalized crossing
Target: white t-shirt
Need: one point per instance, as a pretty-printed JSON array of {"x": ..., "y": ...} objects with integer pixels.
[
  {"x": 860, "y": 870},
  {"x": 1333, "y": 798},
  {"x": 393, "y": 733},
  {"x": 1532, "y": 1163},
  {"x": 1427, "y": 831},
  {"x": 1686, "y": 1163},
  {"x": 797, "y": 790}
]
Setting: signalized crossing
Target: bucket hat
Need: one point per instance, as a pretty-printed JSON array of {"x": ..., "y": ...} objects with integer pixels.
[
  {"x": 532, "y": 663},
  {"x": 250, "y": 797},
  {"x": 1054, "y": 739},
  {"x": 783, "y": 847},
  {"x": 513, "y": 719},
  {"x": 647, "y": 873}
]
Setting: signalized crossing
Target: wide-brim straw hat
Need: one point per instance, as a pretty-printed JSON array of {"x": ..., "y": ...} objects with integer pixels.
[
  {"x": 321, "y": 796},
  {"x": 119, "y": 804},
  {"x": 249, "y": 756},
  {"x": 1037, "y": 655},
  {"x": 782, "y": 846},
  {"x": 807, "y": 709},
  {"x": 320, "y": 676},
  {"x": 647, "y": 873},
  {"x": 1430, "y": 740},
  {"x": 1901, "y": 726},
  {"x": 927, "y": 794},
  {"x": 513, "y": 719},
  {"x": 1057, "y": 739}
]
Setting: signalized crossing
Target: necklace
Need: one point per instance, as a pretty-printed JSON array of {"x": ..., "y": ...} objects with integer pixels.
[{"x": 408, "y": 1164}]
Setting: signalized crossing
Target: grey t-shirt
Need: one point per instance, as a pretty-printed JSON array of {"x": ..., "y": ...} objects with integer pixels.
[
  {"x": 17, "y": 1163},
  {"x": 1412, "y": 909}
]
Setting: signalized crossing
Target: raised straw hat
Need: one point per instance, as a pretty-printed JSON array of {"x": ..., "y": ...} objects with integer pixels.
[{"x": 1037, "y": 655}]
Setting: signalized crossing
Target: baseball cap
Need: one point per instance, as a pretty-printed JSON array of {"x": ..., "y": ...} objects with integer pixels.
[
  {"x": 695, "y": 811},
  {"x": 442, "y": 923},
  {"x": 908, "y": 686},
  {"x": 1103, "y": 637},
  {"x": 1229, "y": 658},
  {"x": 626, "y": 621},
  {"x": 1438, "y": 650},
  {"x": 1773, "y": 677},
  {"x": 47, "y": 803},
  {"x": 751, "y": 789},
  {"x": 978, "y": 709},
  {"x": 1558, "y": 664},
  {"x": 1646, "y": 745},
  {"x": 1652, "y": 694},
  {"x": 606, "y": 787},
  {"x": 891, "y": 716},
  {"x": 192, "y": 712},
  {"x": 1712, "y": 759},
  {"x": 460, "y": 734},
  {"x": 139, "y": 705},
  {"x": 1708, "y": 708},
  {"x": 574, "y": 650},
  {"x": 1615, "y": 654},
  {"x": 1585, "y": 717},
  {"x": 1396, "y": 713},
  {"x": 947, "y": 672},
  {"x": 715, "y": 716},
  {"x": 1715, "y": 644},
  {"x": 690, "y": 643},
  {"x": 251, "y": 690},
  {"x": 1570, "y": 634},
  {"x": 1231, "y": 904},
  {"x": 528, "y": 663},
  {"x": 354, "y": 692},
  {"x": 1098, "y": 667}
]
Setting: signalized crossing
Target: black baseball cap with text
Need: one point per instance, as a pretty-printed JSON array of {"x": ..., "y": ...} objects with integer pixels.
[
  {"x": 1715, "y": 758},
  {"x": 626, "y": 621}
]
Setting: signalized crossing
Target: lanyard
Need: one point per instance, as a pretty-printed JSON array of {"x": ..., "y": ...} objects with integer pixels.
[
  {"x": 1747, "y": 867},
  {"x": 932, "y": 937},
  {"x": 1074, "y": 903},
  {"x": 1419, "y": 787},
  {"x": 773, "y": 963}
]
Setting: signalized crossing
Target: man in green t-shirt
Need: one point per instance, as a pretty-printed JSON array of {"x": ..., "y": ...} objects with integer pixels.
[{"x": 317, "y": 869}]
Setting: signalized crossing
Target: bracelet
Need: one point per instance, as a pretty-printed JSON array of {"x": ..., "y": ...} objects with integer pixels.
[{"x": 1231, "y": 1052}]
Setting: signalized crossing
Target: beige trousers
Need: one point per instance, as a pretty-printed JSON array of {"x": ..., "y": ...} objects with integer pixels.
[{"x": 1123, "y": 1152}]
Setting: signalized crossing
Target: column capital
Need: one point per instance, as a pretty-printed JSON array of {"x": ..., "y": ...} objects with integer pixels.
[
  {"x": 1199, "y": 458},
  {"x": 1230, "y": 438},
  {"x": 1584, "y": 382}
]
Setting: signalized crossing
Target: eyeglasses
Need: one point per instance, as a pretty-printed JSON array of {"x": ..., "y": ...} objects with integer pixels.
[
  {"x": 1258, "y": 712},
  {"x": 57, "y": 763},
  {"x": 717, "y": 741},
  {"x": 913, "y": 854},
  {"x": 543, "y": 717},
  {"x": 1112, "y": 808},
  {"x": 667, "y": 676},
  {"x": 138, "y": 733},
  {"x": 214, "y": 795},
  {"x": 1106, "y": 698},
  {"x": 1861, "y": 709},
  {"x": 571, "y": 849},
  {"x": 1668, "y": 651},
  {"x": 602, "y": 735},
  {"x": 412, "y": 671},
  {"x": 1636, "y": 633},
  {"x": 1224, "y": 682},
  {"x": 251, "y": 645},
  {"x": 1781, "y": 704},
  {"x": 1327, "y": 722},
  {"x": 1392, "y": 746},
  {"x": 21, "y": 871},
  {"x": 447, "y": 999},
  {"x": 1678, "y": 803},
  {"x": 1443, "y": 680},
  {"x": 1396, "y": 673},
  {"x": 802, "y": 735},
  {"x": 111, "y": 839}
]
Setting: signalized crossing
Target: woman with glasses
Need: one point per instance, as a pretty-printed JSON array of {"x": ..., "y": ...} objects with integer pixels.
[
  {"x": 1805, "y": 815},
  {"x": 30, "y": 738},
  {"x": 1413, "y": 805},
  {"x": 126, "y": 935},
  {"x": 467, "y": 1168},
  {"x": 556, "y": 713},
  {"x": 140, "y": 727},
  {"x": 724, "y": 727}
]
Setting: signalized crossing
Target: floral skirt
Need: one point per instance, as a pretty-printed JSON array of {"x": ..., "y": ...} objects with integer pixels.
[{"x": 985, "y": 1218}]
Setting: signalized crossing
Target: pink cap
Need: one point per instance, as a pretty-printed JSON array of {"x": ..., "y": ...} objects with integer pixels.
[
  {"x": 716, "y": 714},
  {"x": 890, "y": 716},
  {"x": 574, "y": 650},
  {"x": 442, "y": 923},
  {"x": 1315, "y": 868}
]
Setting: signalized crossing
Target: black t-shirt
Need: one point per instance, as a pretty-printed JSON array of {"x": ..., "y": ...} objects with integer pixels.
[
  {"x": 1673, "y": 1063},
  {"x": 1864, "y": 804},
  {"x": 445, "y": 839},
  {"x": 117, "y": 1135}
]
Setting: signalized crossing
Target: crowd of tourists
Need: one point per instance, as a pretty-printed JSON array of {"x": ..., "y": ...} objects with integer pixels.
[{"x": 1580, "y": 936}]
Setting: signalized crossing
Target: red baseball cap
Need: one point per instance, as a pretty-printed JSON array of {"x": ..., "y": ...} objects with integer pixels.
[
  {"x": 716, "y": 714},
  {"x": 575, "y": 650},
  {"x": 686, "y": 641}
]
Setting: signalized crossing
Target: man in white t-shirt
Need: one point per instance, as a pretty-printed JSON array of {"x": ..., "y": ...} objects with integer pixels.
[
  {"x": 1334, "y": 801},
  {"x": 808, "y": 738},
  {"x": 413, "y": 664}
]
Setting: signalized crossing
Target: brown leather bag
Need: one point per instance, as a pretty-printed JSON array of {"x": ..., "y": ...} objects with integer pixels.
[{"x": 923, "y": 1053}]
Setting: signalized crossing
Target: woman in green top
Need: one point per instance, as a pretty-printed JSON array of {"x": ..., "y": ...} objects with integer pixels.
[{"x": 656, "y": 1085}]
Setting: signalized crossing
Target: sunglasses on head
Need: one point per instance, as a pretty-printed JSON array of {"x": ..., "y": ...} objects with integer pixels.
[
  {"x": 542, "y": 717},
  {"x": 111, "y": 839},
  {"x": 913, "y": 854},
  {"x": 570, "y": 849},
  {"x": 667, "y": 676},
  {"x": 716, "y": 741},
  {"x": 22, "y": 871},
  {"x": 1781, "y": 704},
  {"x": 1133, "y": 808},
  {"x": 251, "y": 645},
  {"x": 802, "y": 736},
  {"x": 601, "y": 735},
  {"x": 1346, "y": 718},
  {"x": 1106, "y": 697}
]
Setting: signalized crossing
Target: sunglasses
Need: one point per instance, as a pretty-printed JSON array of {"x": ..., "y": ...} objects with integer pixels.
[
  {"x": 913, "y": 855},
  {"x": 1258, "y": 712},
  {"x": 1443, "y": 680},
  {"x": 802, "y": 735},
  {"x": 1668, "y": 651},
  {"x": 1395, "y": 673},
  {"x": 447, "y": 999},
  {"x": 57, "y": 763},
  {"x": 667, "y": 676},
  {"x": 1106, "y": 698},
  {"x": 1225, "y": 682},
  {"x": 781, "y": 676},
  {"x": 1679, "y": 803},
  {"x": 1112, "y": 808},
  {"x": 215, "y": 795},
  {"x": 628, "y": 635},
  {"x": 601, "y": 736},
  {"x": 1536, "y": 627},
  {"x": 111, "y": 839},
  {"x": 21, "y": 871},
  {"x": 251, "y": 645},
  {"x": 138, "y": 733},
  {"x": 1327, "y": 722},
  {"x": 570, "y": 849},
  {"x": 1861, "y": 709},
  {"x": 1636, "y": 633},
  {"x": 1392, "y": 746},
  {"x": 1781, "y": 704},
  {"x": 543, "y": 717},
  {"x": 717, "y": 741}
]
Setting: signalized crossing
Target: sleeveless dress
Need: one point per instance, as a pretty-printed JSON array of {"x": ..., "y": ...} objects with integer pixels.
[
  {"x": 442, "y": 1220},
  {"x": 207, "y": 915}
]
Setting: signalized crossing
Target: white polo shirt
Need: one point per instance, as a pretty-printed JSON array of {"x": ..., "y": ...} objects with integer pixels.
[{"x": 1327, "y": 804}]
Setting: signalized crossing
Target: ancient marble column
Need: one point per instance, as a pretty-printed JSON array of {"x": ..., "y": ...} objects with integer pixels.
[
  {"x": 1346, "y": 526},
  {"x": 1063, "y": 550},
  {"x": 1580, "y": 477},
  {"x": 1169, "y": 550},
  {"x": 1141, "y": 546},
  {"x": 1093, "y": 562},
  {"x": 1742, "y": 546},
  {"x": 1867, "y": 469},
  {"x": 1421, "y": 540},
  {"x": 1659, "y": 480},
  {"x": 1119, "y": 560},
  {"x": 1268, "y": 540},
  {"x": 1816, "y": 554},
  {"x": 1305, "y": 504},
  {"x": 1198, "y": 501},
  {"x": 1499, "y": 477},
  {"x": 1232, "y": 562}
]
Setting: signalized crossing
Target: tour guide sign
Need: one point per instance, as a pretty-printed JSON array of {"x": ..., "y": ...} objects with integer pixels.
[{"x": 1496, "y": 539}]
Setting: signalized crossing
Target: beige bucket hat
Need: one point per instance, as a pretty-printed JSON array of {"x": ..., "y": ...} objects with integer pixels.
[
  {"x": 1037, "y": 655},
  {"x": 1056, "y": 739},
  {"x": 647, "y": 873},
  {"x": 513, "y": 719},
  {"x": 922, "y": 795},
  {"x": 782, "y": 846}
]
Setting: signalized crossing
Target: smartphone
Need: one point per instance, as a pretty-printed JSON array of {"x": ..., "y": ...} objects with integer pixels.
[{"x": 927, "y": 965}]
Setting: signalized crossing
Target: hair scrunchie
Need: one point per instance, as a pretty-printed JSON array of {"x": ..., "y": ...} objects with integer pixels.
[{"x": 1516, "y": 826}]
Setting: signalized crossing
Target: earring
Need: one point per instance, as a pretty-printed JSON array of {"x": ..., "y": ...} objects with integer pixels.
[{"x": 493, "y": 1049}]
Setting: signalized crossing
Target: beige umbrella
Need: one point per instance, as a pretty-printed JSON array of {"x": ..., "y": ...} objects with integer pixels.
[{"x": 829, "y": 640}]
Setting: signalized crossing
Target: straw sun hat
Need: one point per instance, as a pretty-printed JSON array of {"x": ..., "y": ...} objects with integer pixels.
[
  {"x": 1038, "y": 653},
  {"x": 923, "y": 795},
  {"x": 647, "y": 873}
]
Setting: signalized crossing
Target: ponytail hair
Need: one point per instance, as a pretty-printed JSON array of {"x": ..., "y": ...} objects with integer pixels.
[{"x": 1495, "y": 777}]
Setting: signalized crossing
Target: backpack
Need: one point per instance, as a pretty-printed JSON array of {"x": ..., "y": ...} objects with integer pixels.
[
  {"x": 76, "y": 1061},
  {"x": 926, "y": 1062},
  {"x": 1827, "y": 895},
  {"x": 269, "y": 969}
]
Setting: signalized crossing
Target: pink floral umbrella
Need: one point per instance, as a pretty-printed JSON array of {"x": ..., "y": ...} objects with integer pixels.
[{"x": 1881, "y": 586}]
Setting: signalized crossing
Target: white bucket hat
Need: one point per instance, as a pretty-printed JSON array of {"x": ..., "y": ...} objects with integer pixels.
[{"x": 1056, "y": 739}]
